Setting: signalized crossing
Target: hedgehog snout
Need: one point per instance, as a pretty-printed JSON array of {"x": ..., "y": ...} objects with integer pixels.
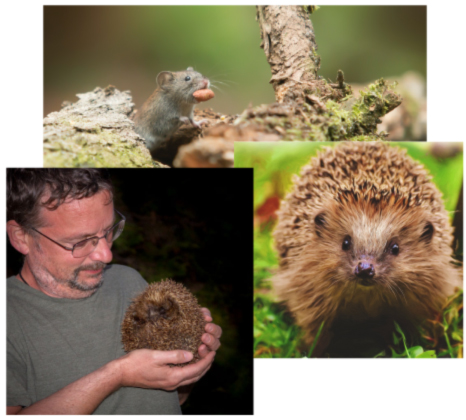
[
  {"x": 365, "y": 272},
  {"x": 155, "y": 312}
]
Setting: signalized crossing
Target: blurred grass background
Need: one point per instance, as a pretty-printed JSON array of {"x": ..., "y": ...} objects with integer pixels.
[
  {"x": 275, "y": 334},
  {"x": 90, "y": 46}
]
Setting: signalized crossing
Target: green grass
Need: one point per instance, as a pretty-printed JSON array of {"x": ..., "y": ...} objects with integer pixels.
[
  {"x": 274, "y": 332},
  {"x": 274, "y": 336},
  {"x": 439, "y": 338}
]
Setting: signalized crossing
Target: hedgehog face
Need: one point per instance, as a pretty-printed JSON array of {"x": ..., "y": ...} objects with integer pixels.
[
  {"x": 166, "y": 308},
  {"x": 155, "y": 310},
  {"x": 375, "y": 244}
]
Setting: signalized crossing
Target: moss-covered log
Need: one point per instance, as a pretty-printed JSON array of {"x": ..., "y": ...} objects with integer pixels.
[{"x": 95, "y": 131}]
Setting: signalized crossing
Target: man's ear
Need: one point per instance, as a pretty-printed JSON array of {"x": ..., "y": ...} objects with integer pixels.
[{"x": 18, "y": 237}]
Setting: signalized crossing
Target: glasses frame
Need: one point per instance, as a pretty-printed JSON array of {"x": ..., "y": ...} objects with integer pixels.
[{"x": 123, "y": 220}]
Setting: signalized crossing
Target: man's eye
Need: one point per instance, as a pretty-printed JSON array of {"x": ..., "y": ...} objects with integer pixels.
[
  {"x": 81, "y": 244},
  {"x": 87, "y": 242}
]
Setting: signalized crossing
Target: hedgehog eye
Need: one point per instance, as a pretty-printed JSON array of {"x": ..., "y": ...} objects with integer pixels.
[
  {"x": 427, "y": 233},
  {"x": 346, "y": 243},
  {"x": 394, "y": 249},
  {"x": 187, "y": 78}
]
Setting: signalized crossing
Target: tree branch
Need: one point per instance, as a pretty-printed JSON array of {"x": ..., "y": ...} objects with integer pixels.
[{"x": 290, "y": 46}]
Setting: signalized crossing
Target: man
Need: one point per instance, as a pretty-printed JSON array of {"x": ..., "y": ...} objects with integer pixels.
[{"x": 65, "y": 306}]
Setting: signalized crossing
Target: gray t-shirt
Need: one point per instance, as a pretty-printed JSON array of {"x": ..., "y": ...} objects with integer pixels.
[{"x": 52, "y": 342}]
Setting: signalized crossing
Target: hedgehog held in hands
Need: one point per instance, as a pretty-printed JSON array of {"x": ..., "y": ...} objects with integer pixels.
[
  {"x": 166, "y": 316},
  {"x": 363, "y": 235}
]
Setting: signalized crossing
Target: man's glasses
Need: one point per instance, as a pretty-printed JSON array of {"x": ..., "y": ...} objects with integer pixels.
[{"x": 87, "y": 246}]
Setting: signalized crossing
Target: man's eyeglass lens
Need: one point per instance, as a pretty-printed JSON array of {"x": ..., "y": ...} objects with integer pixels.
[{"x": 83, "y": 248}]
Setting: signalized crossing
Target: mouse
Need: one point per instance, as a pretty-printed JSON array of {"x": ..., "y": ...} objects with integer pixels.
[{"x": 170, "y": 105}]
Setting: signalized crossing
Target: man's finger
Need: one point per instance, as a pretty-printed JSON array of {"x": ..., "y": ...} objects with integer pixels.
[
  {"x": 207, "y": 315},
  {"x": 210, "y": 341},
  {"x": 214, "y": 329},
  {"x": 173, "y": 357},
  {"x": 192, "y": 373},
  {"x": 203, "y": 351}
]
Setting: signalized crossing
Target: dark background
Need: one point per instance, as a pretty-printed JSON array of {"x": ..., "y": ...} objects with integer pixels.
[
  {"x": 127, "y": 46},
  {"x": 195, "y": 227}
]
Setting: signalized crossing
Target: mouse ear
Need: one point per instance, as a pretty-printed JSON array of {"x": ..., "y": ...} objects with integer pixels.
[
  {"x": 189, "y": 69},
  {"x": 164, "y": 77}
]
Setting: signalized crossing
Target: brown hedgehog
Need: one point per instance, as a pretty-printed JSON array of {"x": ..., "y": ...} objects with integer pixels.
[
  {"x": 166, "y": 316},
  {"x": 363, "y": 235}
]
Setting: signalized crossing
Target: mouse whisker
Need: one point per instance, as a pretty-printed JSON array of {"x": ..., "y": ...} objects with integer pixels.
[
  {"x": 224, "y": 82},
  {"x": 216, "y": 87}
]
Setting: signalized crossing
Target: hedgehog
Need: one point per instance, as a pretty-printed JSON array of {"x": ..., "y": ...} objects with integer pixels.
[
  {"x": 363, "y": 235},
  {"x": 166, "y": 316}
]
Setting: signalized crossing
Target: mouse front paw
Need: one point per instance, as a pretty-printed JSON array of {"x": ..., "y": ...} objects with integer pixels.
[
  {"x": 186, "y": 120},
  {"x": 200, "y": 123}
]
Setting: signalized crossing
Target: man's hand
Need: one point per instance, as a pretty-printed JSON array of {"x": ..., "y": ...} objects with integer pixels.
[
  {"x": 149, "y": 369},
  {"x": 212, "y": 343},
  {"x": 211, "y": 338}
]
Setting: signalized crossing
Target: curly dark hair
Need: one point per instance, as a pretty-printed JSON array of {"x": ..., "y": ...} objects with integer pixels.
[{"x": 27, "y": 188}]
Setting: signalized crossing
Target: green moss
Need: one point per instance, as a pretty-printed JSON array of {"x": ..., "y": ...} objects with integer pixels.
[
  {"x": 375, "y": 102},
  {"x": 310, "y": 9},
  {"x": 315, "y": 61},
  {"x": 359, "y": 122},
  {"x": 99, "y": 148},
  {"x": 366, "y": 137},
  {"x": 335, "y": 120}
]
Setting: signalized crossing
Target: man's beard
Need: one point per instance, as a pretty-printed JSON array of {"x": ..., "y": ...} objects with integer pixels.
[{"x": 71, "y": 280}]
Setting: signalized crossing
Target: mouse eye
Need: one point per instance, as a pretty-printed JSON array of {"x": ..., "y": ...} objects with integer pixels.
[
  {"x": 187, "y": 78},
  {"x": 346, "y": 243}
]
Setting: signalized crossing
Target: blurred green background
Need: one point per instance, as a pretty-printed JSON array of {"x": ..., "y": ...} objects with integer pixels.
[{"x": 90, "y": 46}]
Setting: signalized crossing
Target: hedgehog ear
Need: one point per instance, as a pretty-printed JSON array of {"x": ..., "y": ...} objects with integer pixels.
[
  {"x": 427, "y": 233},
  {"x": 320, "y": 223},
  {"x": 169, "y": 303}
]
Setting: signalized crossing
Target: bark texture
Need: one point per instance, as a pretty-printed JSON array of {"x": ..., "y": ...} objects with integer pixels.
[
  {"x": 209, "y": 152},
  {"x": 289, "y": 44}
]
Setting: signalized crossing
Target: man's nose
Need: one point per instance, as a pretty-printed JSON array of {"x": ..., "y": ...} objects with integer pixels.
[{"x": 102, "y": 252}]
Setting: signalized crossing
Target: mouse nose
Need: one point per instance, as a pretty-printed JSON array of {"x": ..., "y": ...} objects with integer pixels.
[
  {"x": 206, "y": 83},
  {"x": 365, "y": 270}
]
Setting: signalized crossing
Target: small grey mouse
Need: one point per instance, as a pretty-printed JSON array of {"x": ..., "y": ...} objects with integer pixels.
[{"x": 170, "y": 105}]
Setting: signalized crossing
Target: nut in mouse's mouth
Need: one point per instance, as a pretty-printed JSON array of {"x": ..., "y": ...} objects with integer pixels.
[{"x": 203, "y": 95}]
